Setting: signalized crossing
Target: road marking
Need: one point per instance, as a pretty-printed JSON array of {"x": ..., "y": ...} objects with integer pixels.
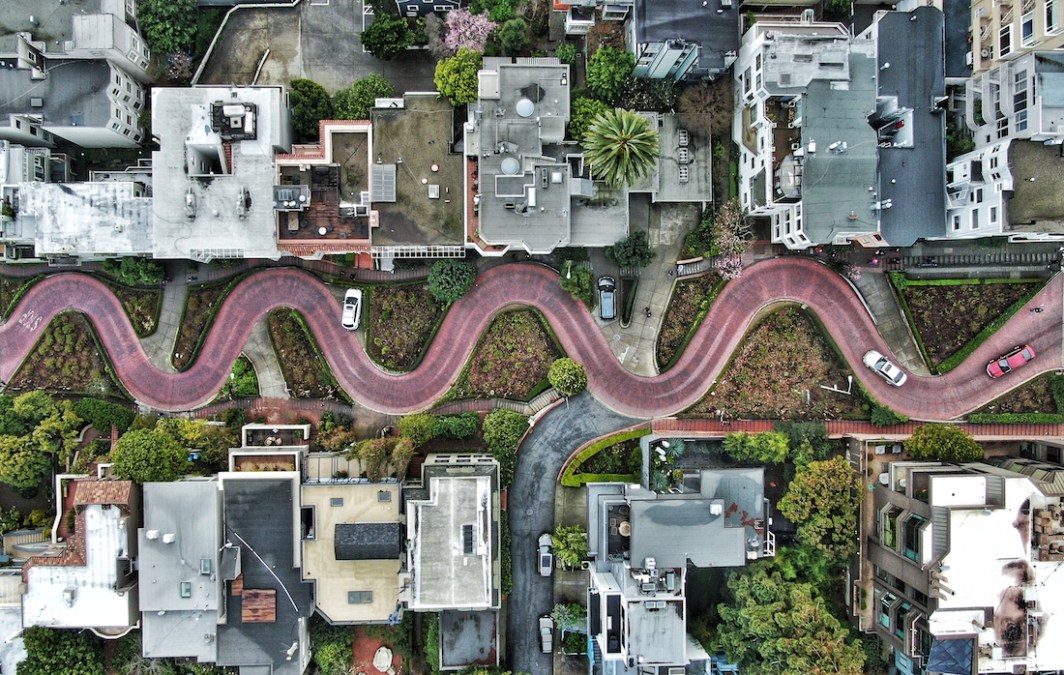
[{"x": 30, "y": 320}]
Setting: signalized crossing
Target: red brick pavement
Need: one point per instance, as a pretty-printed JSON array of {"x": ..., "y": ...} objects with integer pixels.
[{"x": 762, "y": 285}]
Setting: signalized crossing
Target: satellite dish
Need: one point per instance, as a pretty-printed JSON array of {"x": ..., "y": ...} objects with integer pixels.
[{"x": 525, "y": 107}]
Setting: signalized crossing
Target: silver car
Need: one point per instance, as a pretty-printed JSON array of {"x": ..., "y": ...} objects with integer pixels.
[
  {"x": 546, "y": 634},
  {"x": 352, "y": 308},
  {"x": 887, "y": 370},
  {"x": 545, "y": 555}
]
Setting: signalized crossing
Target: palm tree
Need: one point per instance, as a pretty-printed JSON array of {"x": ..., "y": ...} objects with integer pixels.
[{"x": 621, "y": 147}]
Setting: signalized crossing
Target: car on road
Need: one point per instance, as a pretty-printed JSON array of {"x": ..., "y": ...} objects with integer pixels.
[
  {"x": 546, "y": 634},
  {"x": 352, "y": 308},
  {"x": 546, "y": 555},
  {"x": 607, "y": 289},
  {"x": 884, "y": 368},
  {"x": 1006, "y": 363}
]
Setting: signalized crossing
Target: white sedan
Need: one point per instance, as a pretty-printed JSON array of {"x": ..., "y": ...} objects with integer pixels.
[
  {"x": 887, "y": 370},
  {"x": 352, "y": 308}
]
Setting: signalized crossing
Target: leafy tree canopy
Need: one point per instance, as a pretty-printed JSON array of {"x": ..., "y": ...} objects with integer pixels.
[
  {"x": 134, "y": 271},
  {"x": 777, "y": 626},
  {"x": 355, "y": 102},
  {"x": 943, "y": 441},
  {"x": 822, "y": 500},
  {"x": 570, "y": 545},
  {"x": 388, "y": 36},
  {"x": 310, "y": 104},
  {"x": 168, "y": 25},
  {"x": 567, "y": 616},
  {"x": 50, "y": 651},
  {"x": 451, "y": 279},
  {"x": 633, "y": 251},
  {"x": 22, "y": 465},
  {"x": 567, "y": 376},
  {"x": 608, "y": 71},
  {"x": 580, "y": 283},
  {"x": 767, "y": 447},
  {"x": 503, "y": 429},
  {"x": 456, "y": 77},
  {"x": 148, "y": 455},
  {"x": 420, "y": 428},
  {"x": 513, "y": 36},
  {"x": 103, "y": 414}
]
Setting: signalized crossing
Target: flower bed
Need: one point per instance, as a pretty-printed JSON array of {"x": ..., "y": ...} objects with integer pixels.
[
  {"x": 605, "y": 460},
  {"x": 11, "y": 291},
  {"x": 67, "y": 358},
  {"x": 690, "y": 301},
  {"x": 1039, "y": 401},
  {"x": 304, "y": 368},
  {"x": 777, "y": 372},
  {"x": 511, "y": 360},
  {"x": 401, "y": 323},
  {"x": 202, "y": 303},
  {"x": 142, "y": 306}
]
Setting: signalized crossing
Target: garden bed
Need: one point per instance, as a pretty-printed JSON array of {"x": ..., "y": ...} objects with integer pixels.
[
  {"x": 951, "y": 317},
  {"x": 614, "y": 458},
  {"x": 777, "y": 373},
  {"x": 202, "y": 303},
  {"x": 142, "y": 306},
  {"x": 691, "y": 299},
  {"x": 511, "y": 360},
  {"x": 67, "y": 358},
  {"x": 242, "y": 382},
  {"x": 304, "y": 368},
  {"x": 401, "y": 324},
  {"x": 11, "y": 291},
  {"x": 1040, "y": 400}
]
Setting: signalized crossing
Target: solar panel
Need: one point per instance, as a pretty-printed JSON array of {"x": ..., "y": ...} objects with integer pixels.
[{"x": 467, "y": 539}]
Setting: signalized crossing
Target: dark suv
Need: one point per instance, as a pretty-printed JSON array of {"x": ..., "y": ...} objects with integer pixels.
[{"x": 607, "y": 289}]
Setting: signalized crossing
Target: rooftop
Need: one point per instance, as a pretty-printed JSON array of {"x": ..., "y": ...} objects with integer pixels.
[
  {"x": 260, "y": 521},
  {"x": 182, "y": 594},
  {"x": 87, "y": 218},
  {"x": 469, "y": 638},
  {"x": 72, "y": 94},
  {"x": 50, "y": 25},
  {"x": 1037, "y": 201},
  {"x": 913, "y": 178},
  {"x": 958, "y": 23},
  {"x": 452, "y": 529},
  {"x": 717, "y": 32},
  {"x": 355, "y": 550},
  {"x": 214, "y": 198}
]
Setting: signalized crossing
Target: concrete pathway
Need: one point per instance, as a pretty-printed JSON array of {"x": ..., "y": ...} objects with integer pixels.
[
  {"x": 159, "y": 346},
  {"x": 259, "y": 351},
  {"x": 762, "y": 285},
  {"x": 890, "y": 319}
]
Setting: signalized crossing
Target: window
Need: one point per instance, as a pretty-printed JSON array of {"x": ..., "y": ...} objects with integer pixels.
[
  {"x": 467, "y": 539},
  {"x": 1005, "y": 41},
  {"x": 1003, "y": 127},
  {"x": 899, "y": 618},
  {"x": 956, "y": 221},
  {"x": 186, "y": 589},
  {"x": 118, "y": 79},
  {"x": 205, "y": 566},
  {"x": 384, "y": 496},
  {"x": 359, "y": 597},
  {"x": 1052, "y": 16},
  {"x": 336, "y": 501},
  {"x": 993, "y": 162},
  {"x": 1019, "y": 91},
  {"x": 1021, "y": 121},
  {"x": 1027, "y": 29},
  {"x": 993, "y": 214},
  {"x": 914, "y": 523},
  {"x": 884, "y": 609},
  {"x": 920, "y": 597}
]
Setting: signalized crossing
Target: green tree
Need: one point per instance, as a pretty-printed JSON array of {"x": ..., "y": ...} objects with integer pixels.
[
  {"x": 11, "y": 423},
  {"x": 148, "y": 455},
  {"x": 458, "y": 426},
  {"x": 570, "y": 545},
  {"x": 621, "y": 147},
  {"x": 135, "y": 271},
  {"x": 583, "y": 112},
  {"x": 567, "y": 376},
  {"x": 310, "y": 104},
  {"x": 767, "y": 447},
  {"x": 503, "y": 429},
  {"x": 402, "y": 453},
  {"x": 103, "y": 414},
  {"x": 943, "y": 441},
  {"x": 451, "y": 279},
  {"x": 388, "y": 36},
  {"x": 57, "y": 434},
  {"x": 580, "y": 283},
  {"x": 456, "y": 77},
  {"x": 513, "y": 37},
  {"x": 608, "y": 71},
  {"x": 566, "y": 53},
  {"x": 568, "y": 616},
  {"x": 355, "y": 102},
  {"x": 420, "y": 428},
  {"x": 822, "y": 500},
  {"x": 373, "y": 454},
  {"x": 22, "y": 465},
  {"x": 34, "y": 406},
  {"x": 633, "y": 251},
  {"x": 168, "y": 25},
  {"x": 774, "y": 626},
  {"x": 50, "y": 651}
]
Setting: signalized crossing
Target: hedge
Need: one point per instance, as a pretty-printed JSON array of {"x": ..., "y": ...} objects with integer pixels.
[
  {"x": 1016, "y": 418},
  {"x": 899, "y": 281},
  {"x": 102, "y": 414},
  {"x": 569, "y": 474},
  {"x": 506, "y": 580},
  {"x": 582, "y": 478}
]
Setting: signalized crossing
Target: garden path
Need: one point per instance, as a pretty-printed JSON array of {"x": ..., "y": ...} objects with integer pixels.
[{"x": 766, "y": 283}]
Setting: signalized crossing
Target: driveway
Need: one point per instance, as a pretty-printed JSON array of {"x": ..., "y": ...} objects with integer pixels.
[
  {"x": 315, "y": 41},
  {"x": 530, "y": 503}
]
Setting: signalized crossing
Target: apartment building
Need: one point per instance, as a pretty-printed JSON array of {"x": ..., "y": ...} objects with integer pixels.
[
  {"x": 965, "y": 559},
  {"x": 1002, "y": 30},
  {"x": 682, "y": 40}
]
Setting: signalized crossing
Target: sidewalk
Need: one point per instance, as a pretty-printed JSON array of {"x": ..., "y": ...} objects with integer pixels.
[{"x": 159, "y": 346}]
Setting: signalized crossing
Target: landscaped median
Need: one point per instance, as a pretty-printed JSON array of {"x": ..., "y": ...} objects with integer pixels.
[
  {"x": 688, "y": 306},
  {"x": 619, "y": 446},
  {"x": 1040, "y": 401},
  {"x": 951, "y": 318}
]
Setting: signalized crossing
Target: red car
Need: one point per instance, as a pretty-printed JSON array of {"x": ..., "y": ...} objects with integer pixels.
[{"x": 1011, "y": 361}]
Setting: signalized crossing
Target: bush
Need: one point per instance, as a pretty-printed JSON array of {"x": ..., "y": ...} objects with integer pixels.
[
  {"x": 513, "y": 37},
  {"x": 943, "y": 441},
  {"x": 567, "y": 376},
  {"x": 388, "y": 36},
  {"x": 133, "y": 271},
  {"x": 1016, "y": 418},
  {"x": 608, "y": 72},
  {"x": 506, "y": 580},
  {"x": 767, "y": 447},
  {"x": 235, "y": 418},
  {"x": 451, "y": 279},
  {"x": 460, "y": 426},
  {"x": 102, "y": 415},
  {"x": 631, "y": 252},
  {"x": 883, "y": 416},
  {"x": 355, "y": 102},
  {"x": 503, "y": 429},
  {"x": 420, "y": 429},
  {"x": 569, "y": 478},
  {"x": 168, "y": 25},
  {"x": 310, "y": 104},
  {"x": 566, "y": 53}
]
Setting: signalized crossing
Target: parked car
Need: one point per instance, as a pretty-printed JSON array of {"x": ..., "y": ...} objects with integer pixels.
[
  {"x": 546, "y": 634},
  {"x": 607, "y": 289},
  {"x": 352, "y": 308},
  {"x": 1005, "y": 364},
  {"x": 887, "y": 370},
  {"x": 546, "y": 555}
]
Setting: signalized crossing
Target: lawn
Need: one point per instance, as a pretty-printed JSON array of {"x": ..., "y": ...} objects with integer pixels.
[
  {"x": 401, "y": 323},
  {"x": 305, "y": 371},
  {"x": 511, "y": 359},
  {"x": 68, "y": 359},
  {"x": 777, "y": 372},
  {"x": 947, "y": 317},
  {"x": 142, "y": 306},
  {"x": 200, "y": 306},
  {"x": 690, "y": 300}
]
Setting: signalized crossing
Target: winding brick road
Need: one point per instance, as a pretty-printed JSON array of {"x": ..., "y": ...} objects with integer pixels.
[{"x": 764, "y": 284}]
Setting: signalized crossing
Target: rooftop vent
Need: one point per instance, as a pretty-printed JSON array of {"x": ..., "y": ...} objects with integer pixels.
[{"x": 525, "y": 108}]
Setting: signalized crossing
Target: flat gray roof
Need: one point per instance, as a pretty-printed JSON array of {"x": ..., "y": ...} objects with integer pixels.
[
  {"x": 673, "y": 531},
  {"x": 72, "y": 94},
  {"x": 216, "y": 229},
  {"x": 659, "y": 634},
  {"x": 914, "y": 178},
  {"x": 835, "y": 195},
  {"x": 716, "y": 32},
  {"x": 87, "y": 218},
  {"x": 468, "y": 638},
  {"x": 54, "y": 20}
]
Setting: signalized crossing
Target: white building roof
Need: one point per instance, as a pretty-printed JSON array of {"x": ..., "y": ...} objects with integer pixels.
[{"x": 87, "y": 219}]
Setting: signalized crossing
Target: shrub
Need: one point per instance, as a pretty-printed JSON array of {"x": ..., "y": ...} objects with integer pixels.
[
  {"x": 513, "y": 36},
  {"x": 567, "y": 376},
  {"x": 420, "y": 429},
  {"x": 580, "y": 283},
  {"x": 943, "y": 441},
  {"x": 767, "y": 447},
  {"x": 310, "y": 104},
  {"x": 506, "y": 581},
  {"x": 608, "y": 71},
  {"x": 634, "y": 251},
  {"x": 133, "y": 271},
  {"x": 566, "y": 53},
  {"x": 388, "y": 36},
  {"x": 168, "y": 25},
  {"x": 883, "y": 416},
  {"x": 102, "y": 415},
  {"x": 503, "y": 429},
  {"x": 457, "y": 426},
  {"x": 355, "y": 102},
  {"x": 451, "y": 279}
]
